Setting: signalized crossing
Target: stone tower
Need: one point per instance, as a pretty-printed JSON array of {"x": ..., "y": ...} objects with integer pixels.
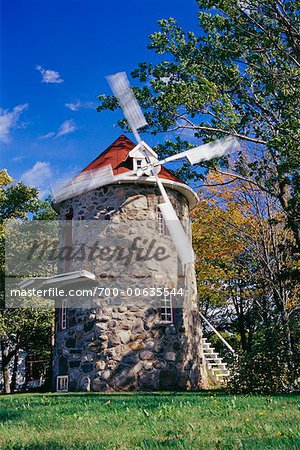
[{"x": 124, "y": 342}]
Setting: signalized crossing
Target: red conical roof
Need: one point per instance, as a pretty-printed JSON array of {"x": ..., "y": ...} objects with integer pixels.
[{"x": 116, "y": 155}]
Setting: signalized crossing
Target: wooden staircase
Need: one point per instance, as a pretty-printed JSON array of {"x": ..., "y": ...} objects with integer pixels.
[{"x": 216, "y": 368}]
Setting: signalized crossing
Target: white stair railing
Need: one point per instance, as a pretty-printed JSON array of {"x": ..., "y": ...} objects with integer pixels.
[{"x": 218, "y": 334}]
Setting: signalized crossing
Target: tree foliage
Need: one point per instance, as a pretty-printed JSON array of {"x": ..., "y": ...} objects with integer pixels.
[
  {"x": 238, "y": 76},
  {"x": 245, "y": 284},
  {"x": 29, "y": 329}
]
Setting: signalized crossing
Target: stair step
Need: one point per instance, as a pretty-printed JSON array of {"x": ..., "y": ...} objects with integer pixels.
[
  {"x": 217, "y": 364},
  {"x": 214, "y": 360},
  {"x": 209, "y": 349},
  {"x": 220, "y": 372},
  {"x": 221, "y": 375},
  {"x": 211, "y": 354},
  {"x": 218, "y": 367}
]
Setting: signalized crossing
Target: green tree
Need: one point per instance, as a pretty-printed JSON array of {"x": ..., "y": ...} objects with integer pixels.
[
  {"x": 245, "y": 286},
  {"x": 238, "y": 76},
  {"x": 30, "y": 328}
]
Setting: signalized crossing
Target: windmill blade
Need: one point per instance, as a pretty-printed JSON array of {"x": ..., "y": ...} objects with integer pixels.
[
  {"x": 205, "y": 152},
  {"x": 83, "y": 182},
  {"x": 178, "y": 235},
  {"x": 87, "y": 181},
  {"x": 121, "y": 88}
]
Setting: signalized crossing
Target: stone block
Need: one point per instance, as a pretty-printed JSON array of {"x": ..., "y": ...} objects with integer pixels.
[
  {"x": 123, "y": 381},
  {"x": 124, "y": 326},
  {"x": 87, "y": 367},
  {"x": 85, "y": 384},
  {"x": 74, "y": 374},
  {"x": 99, "y": 385},
  {"x": 148, "y": 365},
  {"x": 117, "y": 316},
  {"x": 103, "y": 318},
  {"x": 136, "y": 368},
  {"x": 170, "y": 356},
  {"x": 124, "y": 336},
  {"x": 137, "y": 345},
  {"x": 138, "y": 327},
  {"x": 103, "y": 337},
  {"x": 112, "y": 364},
  {"x": 146, "y": 355},
  {"x": 88, "y": 337},
  {"x": 130, "y": 359},
  {"x": 106, "y": 374},
  {"x": 150, "y": 345},
  {"x": 95, "y": 346},
  {"x": 100, "y": 365},
  {"x": 158, "y": 347},
  {"x": 148, "y": 380},
  {"x": 100, "y": 326}
]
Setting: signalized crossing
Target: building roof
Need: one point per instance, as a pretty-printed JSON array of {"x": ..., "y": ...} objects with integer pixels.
[{"x": 116, "y": 155}]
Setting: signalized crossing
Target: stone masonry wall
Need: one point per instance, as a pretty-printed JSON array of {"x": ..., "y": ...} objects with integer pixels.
[{"x": 125, "y": 346}]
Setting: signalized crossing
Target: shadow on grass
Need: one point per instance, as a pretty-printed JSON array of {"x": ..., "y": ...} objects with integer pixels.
[
  {"x": 168, "y": 394},
  {"x": 152, "y": 394},
  {"x": 8, "y": 416}
]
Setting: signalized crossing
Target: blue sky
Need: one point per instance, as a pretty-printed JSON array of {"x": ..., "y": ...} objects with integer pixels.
[{"x": 54, "y": 58}]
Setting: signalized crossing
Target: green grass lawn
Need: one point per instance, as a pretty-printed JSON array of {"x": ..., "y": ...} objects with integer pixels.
[{"x": 149, "y": 421}]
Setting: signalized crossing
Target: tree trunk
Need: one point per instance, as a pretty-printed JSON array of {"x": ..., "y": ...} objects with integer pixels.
[
  {"x": 289, "y": 355},
  {"x": 13, "y": 383},
  {"x": 5, "y": 368},
  {"x": 288, "y": 343}
]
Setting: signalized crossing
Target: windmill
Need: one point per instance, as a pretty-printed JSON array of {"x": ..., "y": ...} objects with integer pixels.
[{"x": 132, "y": 112}]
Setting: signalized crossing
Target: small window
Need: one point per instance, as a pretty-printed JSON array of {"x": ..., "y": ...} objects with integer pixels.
[
  {"x": 138, "y": 164},
  {"x": 63, "y": 315},
  {"x": 161, "y": 224},
  {"x": 62, "y": 382},
  {"x": 166, "y": 310}
]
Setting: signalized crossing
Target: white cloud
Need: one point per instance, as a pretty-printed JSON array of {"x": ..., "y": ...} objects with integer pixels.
[
  {"x": 79, "y": 105},
  {"x": 39, "y": 176},
  {"x": 73, "y": 106},
  {"x": 48, "y": 135},
  {"x": 67, "y": 127},
  {"x": 49, "y": 76},
  {"x": 9, "y": 120},
  {"x": 18, "y": 158}
]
